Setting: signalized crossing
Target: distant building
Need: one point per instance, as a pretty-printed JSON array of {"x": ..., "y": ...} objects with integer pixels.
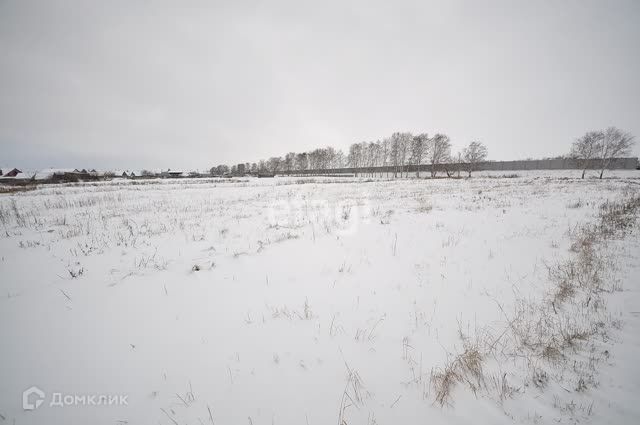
[
  {"x": 52, "y": 173},
  {"x": 240, "y": 169},
  {"x": 67, "y": 176},
  {"x": 16, "y": 177},
  {"x": 12, "y": 173}
]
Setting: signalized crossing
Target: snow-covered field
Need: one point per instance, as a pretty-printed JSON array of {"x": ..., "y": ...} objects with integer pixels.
[{"x": 303, "y": 300}]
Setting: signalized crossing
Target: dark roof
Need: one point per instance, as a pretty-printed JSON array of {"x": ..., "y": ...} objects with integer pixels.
[{"x": 12, "y": 173}]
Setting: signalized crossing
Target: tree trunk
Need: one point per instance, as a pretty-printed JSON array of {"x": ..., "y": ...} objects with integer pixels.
[{"x": 584, "y": 171}]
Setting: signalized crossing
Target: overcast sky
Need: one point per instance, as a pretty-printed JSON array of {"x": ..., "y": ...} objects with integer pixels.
[{"x": 190, "y": 84}]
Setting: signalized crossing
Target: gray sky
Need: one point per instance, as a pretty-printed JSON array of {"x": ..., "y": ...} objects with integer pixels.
[{"x": 192, "y": 84}]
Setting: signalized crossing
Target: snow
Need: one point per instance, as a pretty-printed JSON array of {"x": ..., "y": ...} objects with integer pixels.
[{"x": 254, "y": 297}]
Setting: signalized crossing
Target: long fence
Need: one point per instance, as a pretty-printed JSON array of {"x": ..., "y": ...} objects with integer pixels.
[{"x": 533, "y": 164}]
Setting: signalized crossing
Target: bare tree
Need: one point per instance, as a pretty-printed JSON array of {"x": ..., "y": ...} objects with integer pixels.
[
  {"x": 327, "y": 158},
  {"x": 439, "y": 151},
  {"x": 354, "y": 159},
  {"x": 365, "y": 161},
  {"x": 274, "y": 164},
  {"x": 615, "y": 143},
  {"x": 289, "y": 160},
  {"x": 458, "y": 157},
  {"x": 375, "y": 154},
  {"x": 419, "y": 145},
  {"x": 586, "y": 148},
  {"x": 400, "y": 145},
  {"x": 301, "y": 161},
  {"x": 405, "y": 146},
  {"x": 474, "y": 154},
  {"x": 338, "y": 159},
  {"x": 384, "y": 154},
  {"x": 394, "y": 153},
  {"x": 220, "y": 170},
  {"x": 316, "y": 159}
]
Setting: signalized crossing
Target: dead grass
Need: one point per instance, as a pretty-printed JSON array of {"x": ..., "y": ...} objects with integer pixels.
[
  {"x": 443, "y": 380},
  {"x": 556, "y": 330},
  {"x": 465, "y": 367},
  {"x": 354, "y": 395}
]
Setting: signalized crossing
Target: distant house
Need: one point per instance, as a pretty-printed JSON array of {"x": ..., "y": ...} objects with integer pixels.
[
  {"x": 12, "y": 173},
  {"x": 52, "y": 174},
  {"x": 15, "y": 176},
  {"x": 173, "y": 174},
  {"x": 67, "y": 175}
]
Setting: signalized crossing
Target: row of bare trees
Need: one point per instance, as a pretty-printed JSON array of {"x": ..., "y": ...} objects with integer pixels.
[
  {"x": 403, "y": 150},
  {"x": 601, "y": 147},
  {"x": 399, "y": 152},
  {"x": 317, "y": 159}
]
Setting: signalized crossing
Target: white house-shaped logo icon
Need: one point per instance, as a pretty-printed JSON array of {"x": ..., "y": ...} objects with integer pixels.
[{"x": 32, "y": 398}]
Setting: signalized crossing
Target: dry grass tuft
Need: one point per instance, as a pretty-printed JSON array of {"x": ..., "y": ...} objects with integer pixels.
[
  {"x": 558, "y": 329},
  {"x": 466, "y": 368},
  {"x": 443, "y": 381}
]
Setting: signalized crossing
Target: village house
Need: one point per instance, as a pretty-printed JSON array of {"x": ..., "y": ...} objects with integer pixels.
[
  {"x": 172, "y": 174},
  {"x": 13, "y": 173}
]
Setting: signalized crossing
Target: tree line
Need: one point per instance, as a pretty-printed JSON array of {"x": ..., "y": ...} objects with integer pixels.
[
  {"x": 399, "y": 152},
  {"x": 403, "y": 151}
]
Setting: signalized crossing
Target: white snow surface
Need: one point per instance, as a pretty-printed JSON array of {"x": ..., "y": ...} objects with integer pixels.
[{"x": 247, "y": 301}]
